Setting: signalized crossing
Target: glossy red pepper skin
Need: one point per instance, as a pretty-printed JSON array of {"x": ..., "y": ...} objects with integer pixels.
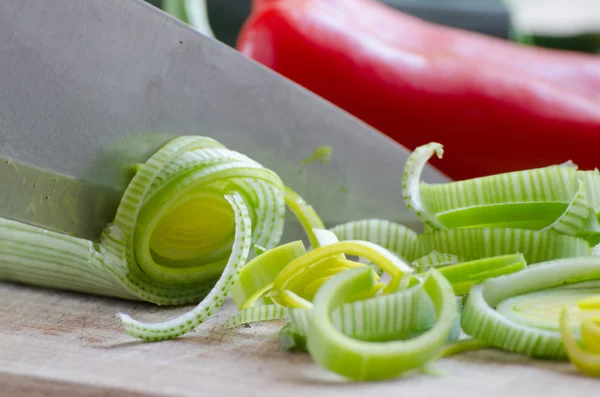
[{"x": 491, "y": 115}]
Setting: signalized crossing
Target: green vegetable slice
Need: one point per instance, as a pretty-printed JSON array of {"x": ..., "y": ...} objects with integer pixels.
[
  {"x": 464, "y": 275},
  {"x": 305, "y": 213},
  {"x": 591, "y": 230},
  {"x": 550, "y": 198},
  {"x": 257, "y": 314},
  {"x": 590, "y": 303},
  {"x": 476, "y": 243},
  {"x": 290, "y": 339},
  {"x": 591, "y": 180},
  {"x": 435, "y": 259},
  {"x": 256, "y": 278},
  {"x": 542, "y": 309},
  {"x": 260, "y": 282},
  {"x": 312, "y": 264},
  {"x": 383, "y": 317},
  {"x": 362, "y": 360},
  {"x": 411, "y": 183},
  {"x": 390, "y": 235},
  {"x": 255, "y": 283},
  {"x": 463, "y": 346},
  {"x": 397, "y": 316},
  {"x": 587, "y": 362},
  {"x": 481, "y": 320},
  {"x": 575, "y": 217},
  {"x": 590, "y": 333},
  {"x": 296, "y": 284}
]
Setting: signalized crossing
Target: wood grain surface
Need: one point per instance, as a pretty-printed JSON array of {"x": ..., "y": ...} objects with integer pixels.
[{"x": 62, "y": 344}]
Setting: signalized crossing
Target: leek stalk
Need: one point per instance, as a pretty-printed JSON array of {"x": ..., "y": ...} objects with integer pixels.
[{"x": 182, "y": 232}]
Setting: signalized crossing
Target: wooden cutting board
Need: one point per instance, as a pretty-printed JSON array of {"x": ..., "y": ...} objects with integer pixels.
[{"x": 63, "y": 344}]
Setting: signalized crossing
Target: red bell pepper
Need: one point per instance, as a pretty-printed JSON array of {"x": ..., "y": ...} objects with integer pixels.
[{"x": 496, "y": 106}]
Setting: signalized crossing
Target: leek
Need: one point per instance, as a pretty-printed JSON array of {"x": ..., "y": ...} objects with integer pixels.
[
  {"x": 435, "y": 259},
  {"x": 256, "y": 314},
  {"x": 397, "y": 316},
  {"x": 289, "y": 277},
  {"x": 192, "y": 12},
  {"x": 305, "y": 214},
  {"x": 392, "y": 236},
  {"x": 484, "y": 316},
  {"x": 182, "y": 232},
  {"x": 363, "y": 360},
  {"x": 587, "y": 362},
  {"x": 462, "y": 346},
  {"x": 256, "y": 278},
  {"x": 541, "y": 309},
  {"x": 551, "y": 198},
  {"x": 380, "y": 318},
  {"x": 477, "y": 243},
  {"x": 464, "y": 275}
]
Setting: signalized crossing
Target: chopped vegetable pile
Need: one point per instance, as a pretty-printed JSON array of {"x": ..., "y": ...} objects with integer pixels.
[{"x": 369, "y": 299}]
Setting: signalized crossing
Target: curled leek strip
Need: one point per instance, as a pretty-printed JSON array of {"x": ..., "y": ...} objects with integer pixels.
[
  {"x": 257, "y": 314},
  {"x": 591, "y": 180},
  {"x": 390, "y": 235},
  {"x": 256, "y": 278},
  {"x": 590, "y": 303},
  {"x": 480, "y": 319},
  {"x": 551, "y": 198},
  {"x": 253, "y": 291},
  {"x": 288, "y": 277},
  {"x": 191, "y": 319},
  {"x": 398, "y": 316},
  {"x": 590, "y": 334},
  {"x": 475, "y": 243},
  {"x": 435, "y": 259},
  {"x": 587, "y": 361},
  {"x": 572, "y": 221},
  {"x": 591, "y": 230},
  {"x": 463, "y": 346},
  {"x": 411, "y": 183},
  {"x": 325, "y": 260},
  {"x": 237, "y": 258},
  {"x": 305, "y": 213},
  {"x": 590, "y": 327},
  {"x": 363, "y": 360},
  {"x": 464, "y": 275},
  {"x": 380, "y": 318}
]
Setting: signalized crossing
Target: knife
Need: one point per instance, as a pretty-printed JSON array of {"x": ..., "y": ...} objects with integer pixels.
[{"x": 90, "y": 88}]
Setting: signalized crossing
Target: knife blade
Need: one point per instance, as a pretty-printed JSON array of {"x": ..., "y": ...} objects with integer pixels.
[{"x": 89, "y": 88}]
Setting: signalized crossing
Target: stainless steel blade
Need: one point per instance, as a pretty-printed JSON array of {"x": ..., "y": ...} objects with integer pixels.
[{"x": 90, "y": 87}]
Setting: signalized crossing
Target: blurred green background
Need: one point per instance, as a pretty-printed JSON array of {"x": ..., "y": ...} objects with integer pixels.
[{"x": 492, "y": 17}]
